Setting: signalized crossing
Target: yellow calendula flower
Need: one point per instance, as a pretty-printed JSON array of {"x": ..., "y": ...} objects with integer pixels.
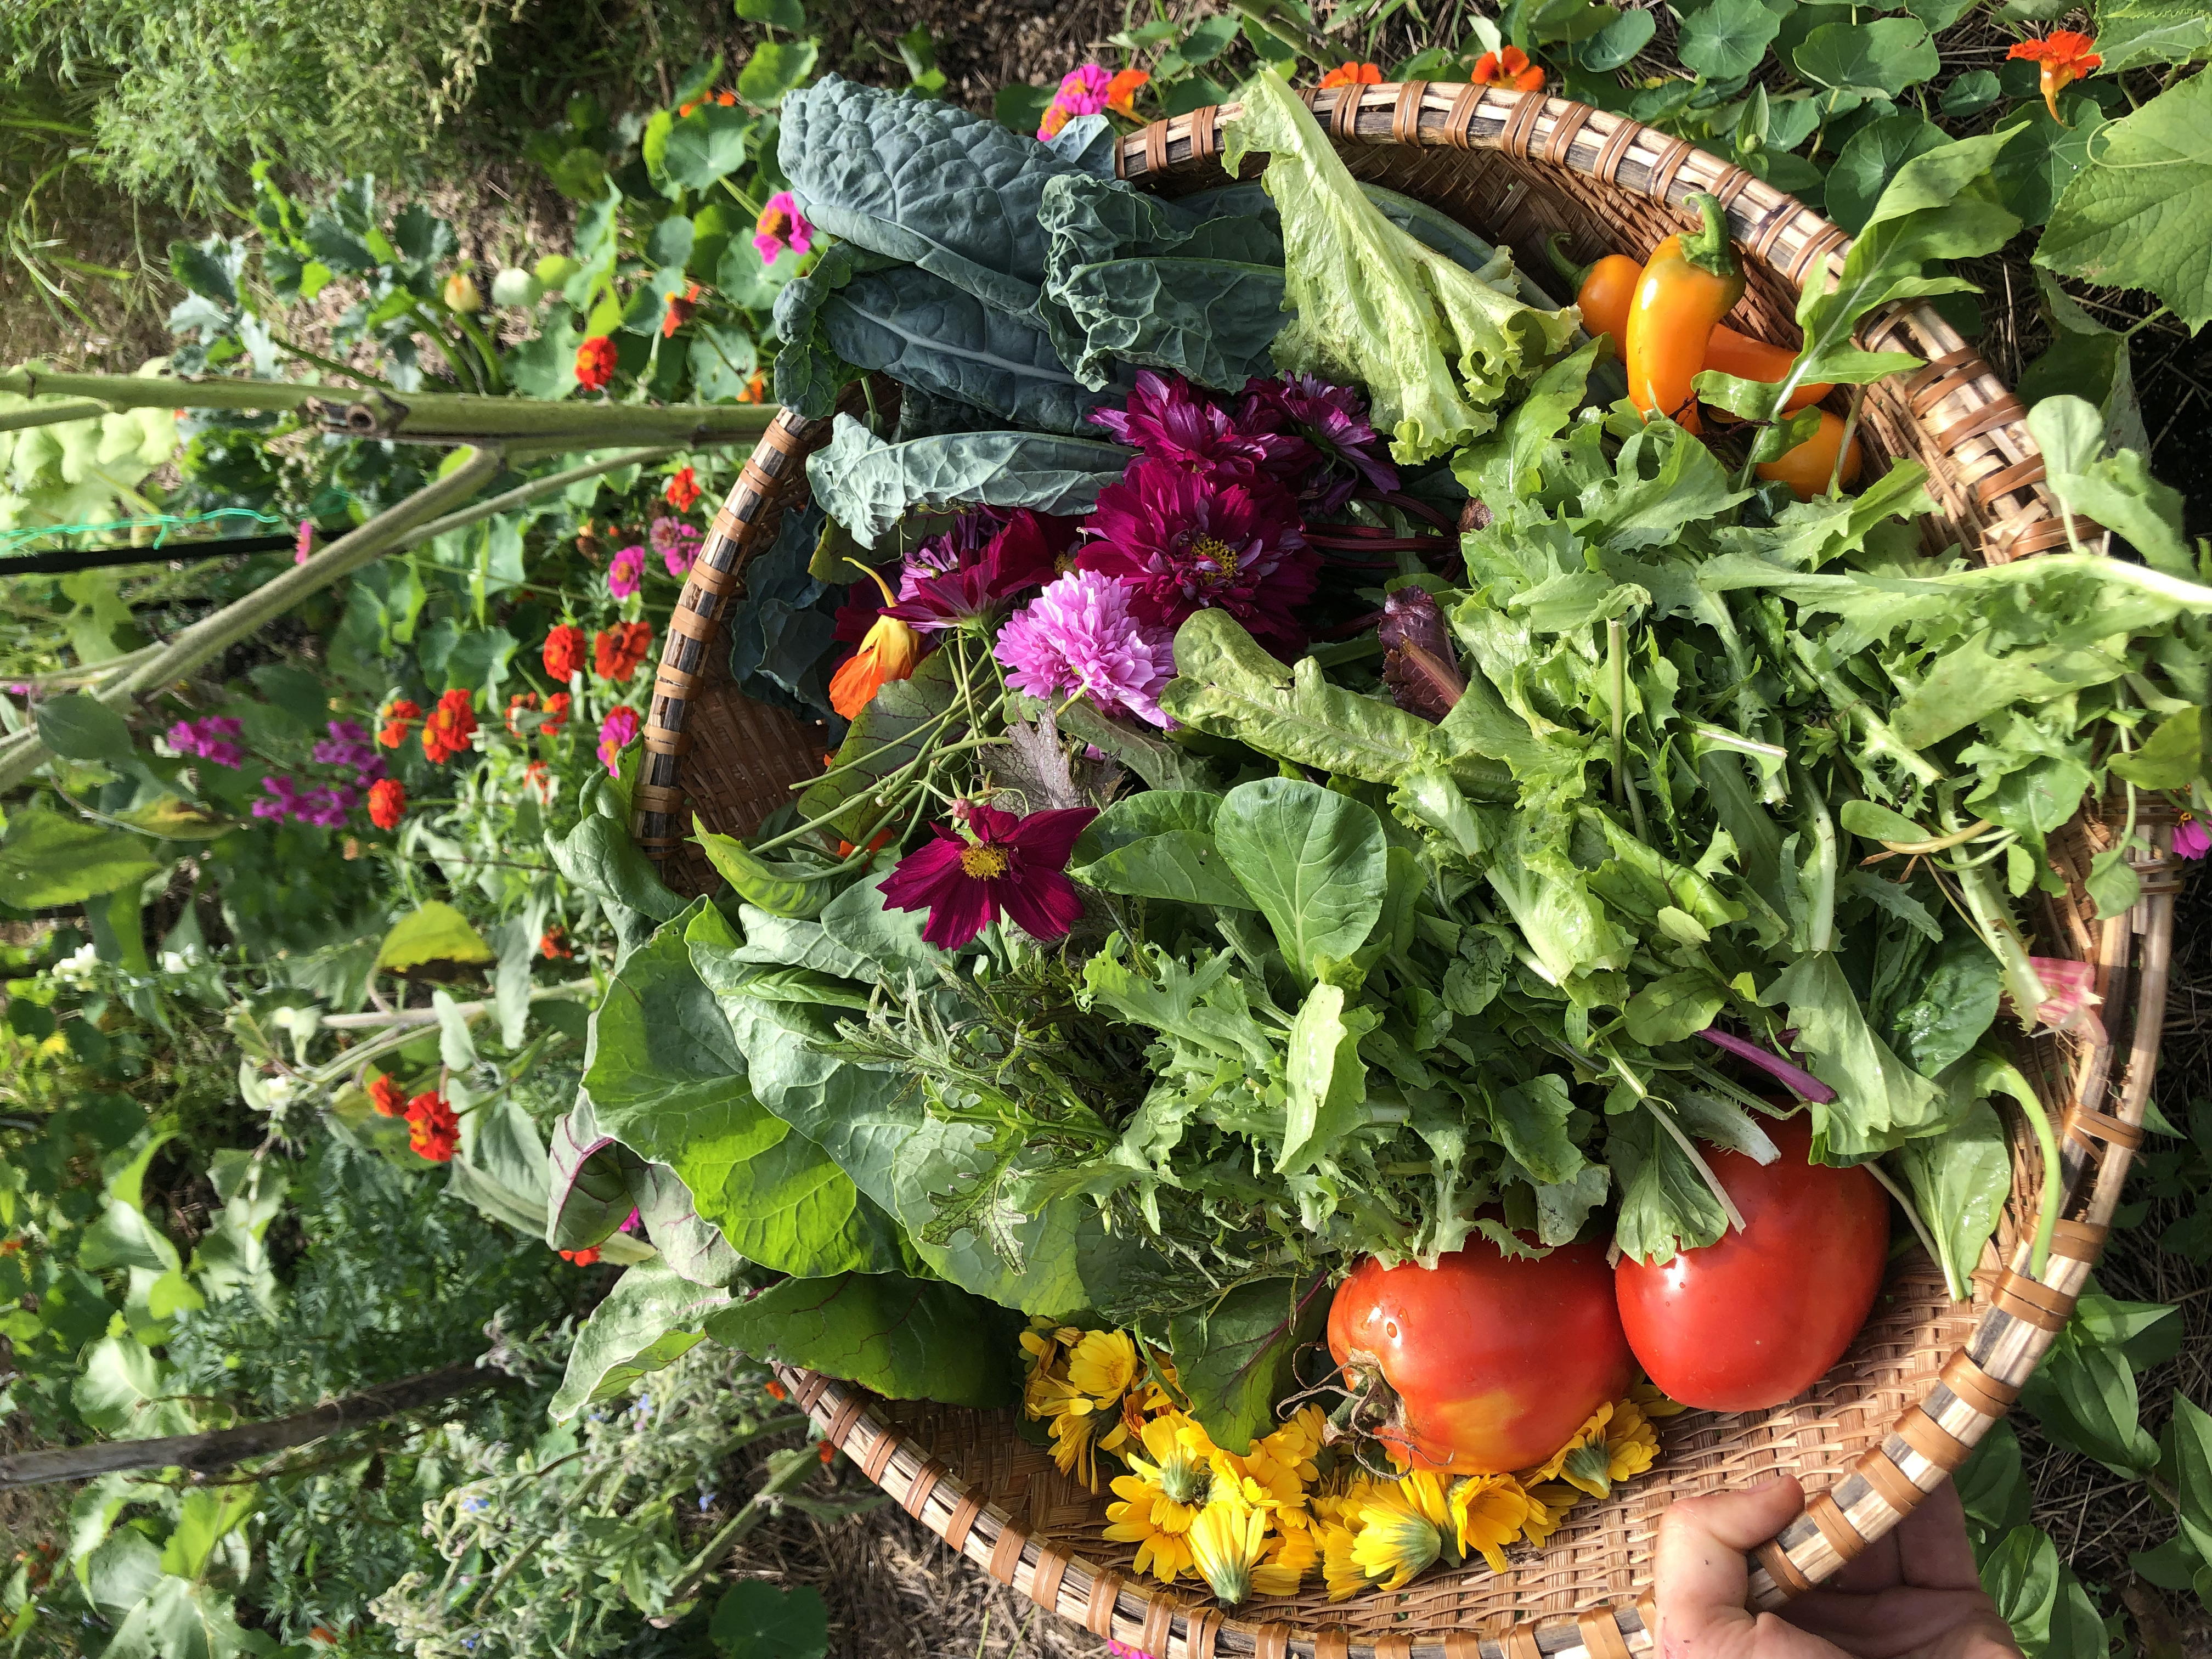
[
  {"x": 1292, "y": 1554},
  {"x": 1103, "y": 1366},
  {"x": 1227, "y": 1541},
  {"x": 1488, "y": 1512},
  {"x": 1165, "y": 1555},
  {"x": 1632, "y": 1444},
  {"x": 1299, "y": 1441},
  {"x": 1593, "y": 1429},
  {"x": 1651, "y": 1402},
  {"x": 1547, "y": 1508},
  {"x": 1617, "y": 1444},
  {"x": 1180, "y": 1474},
  {"x": 1338, "y": 1570},
  {"x": 1401, "y": 1531}
]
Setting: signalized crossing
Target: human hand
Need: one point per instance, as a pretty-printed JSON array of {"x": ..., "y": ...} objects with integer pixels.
[{"x": 1914, "y": 1594}]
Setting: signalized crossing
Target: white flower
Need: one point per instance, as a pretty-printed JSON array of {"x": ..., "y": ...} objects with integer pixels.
[{"x": 82, "y": 965}]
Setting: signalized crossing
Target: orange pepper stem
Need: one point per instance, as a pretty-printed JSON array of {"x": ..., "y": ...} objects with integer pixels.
[
  {"x": 1708, "y": 247},
  {"x": 1555, "y": 246}
]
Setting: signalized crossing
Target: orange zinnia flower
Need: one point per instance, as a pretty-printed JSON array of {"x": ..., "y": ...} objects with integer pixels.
[
  {"x": 1122, "y": 91},
  {"x": 451, "y": 727},
  {"x": 1509, "y": 68},
  {"x": 387, "y": 1095},
  {"x": 556, "y": 716},
  {"x": 889, "y": 652},
  {"x": 1349, "y": 74},
  {"x": 398, "y": 719},
  {"x": 2066, "y": 56}
]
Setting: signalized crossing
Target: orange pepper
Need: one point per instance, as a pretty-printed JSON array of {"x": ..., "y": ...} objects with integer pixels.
[
  {"x": 1689, "y": 283},
  {"x": 1807, "y": 468},
  {"x": 1756, "y": 360}
]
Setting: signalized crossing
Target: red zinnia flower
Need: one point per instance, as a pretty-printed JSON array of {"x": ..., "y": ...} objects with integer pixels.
[
  {"x": 616, "y": 651},
  {"x": 564, "y": 652},
  {"x": 553, "y": 944},
  {"x": 556, "y": 716},
  {"x": 2066, "y": 56},
  {"x": 387, "y": 1095},
  {"x": 398, "y": 721},
  {"x": 583, "y": 1258},
  {"x": 452, "y": 726},
  {"x": 680, "y": 308},
  {"x": 1509, "y": 68},
  {"x": 683, "y": 490},
  {"x": 387, "y": 804},
  {"x": 1012, "y": 864},
  {"x": 595, "y": 363},
  {"x": 433, "y": 1130},
  {"x": 1349, "y": 74}
]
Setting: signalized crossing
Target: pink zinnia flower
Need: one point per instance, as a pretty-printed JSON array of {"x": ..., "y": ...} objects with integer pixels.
[
  {"x": 303, "y": 541},
  {"x": 1014, "y": 866},
  {"x": 1079, "y": 635},
  {"x": 781, "y": 226},
  {"x": 2069, "y": 984},
  {"x": 1084, "y": 91},
  {"x": 626, "y": 572},
  {"x": 2191, "y": 839},
  {"x": 677, "y": 542},
  {"x": 1188, "y": 544},
  {"x": 616, "y": 732}
]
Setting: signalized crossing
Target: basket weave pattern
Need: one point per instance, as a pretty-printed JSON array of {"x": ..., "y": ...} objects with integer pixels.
[{"x": 1927, "y": 1378}]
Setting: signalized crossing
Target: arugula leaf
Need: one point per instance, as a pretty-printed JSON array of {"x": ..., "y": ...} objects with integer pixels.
[
  {"x": 1880, "y": 1102},
  {"x": 907, "y": 1339}
]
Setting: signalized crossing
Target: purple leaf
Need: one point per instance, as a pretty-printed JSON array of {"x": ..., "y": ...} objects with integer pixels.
[
  {"x": 1797, "y": 1078},
  {"x": 1418, "y": 663}
]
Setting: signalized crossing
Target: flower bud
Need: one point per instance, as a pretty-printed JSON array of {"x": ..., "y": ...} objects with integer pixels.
[
  {"x": 516, "y": 290},
  {"x": 461, "y": 294}
]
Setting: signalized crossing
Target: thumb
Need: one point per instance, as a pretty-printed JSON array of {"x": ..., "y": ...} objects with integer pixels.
[{"x": 1700, "y": 1579}]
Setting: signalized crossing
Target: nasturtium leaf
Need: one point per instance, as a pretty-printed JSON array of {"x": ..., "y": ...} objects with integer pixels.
[
  {"x": 433, "y": 933},
  {"x": 1313, "y": 861},
  {"x": 708, "y": 144},
  {"x": 1888, "y": 55},
  {"x": 1235, "y": 1355},
  {"x": 1970, "y": 94},
  {"x": 774, "y": 68},
  {"x": 2038, "y": 164},
  {"x": 2140, "y": 214},
  {"x": 1616, "y": 43},
  {"x": 649, "y": 1320},
  {"x": 1727, "y": 38},
  {"x": 789, "y": 16},
  {"x": 48, "y": 860},
  {"x": 755, "y": 1619},
  {"x": 907, "y": 1339},
  {"x": 1875, "y": 151}
]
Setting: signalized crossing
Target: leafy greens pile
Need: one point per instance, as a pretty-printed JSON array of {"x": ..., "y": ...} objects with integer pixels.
[{"x": 1657, "y": 806}]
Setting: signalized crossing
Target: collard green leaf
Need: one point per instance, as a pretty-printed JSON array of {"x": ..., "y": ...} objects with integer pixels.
[
  {"x": 907, "y": 1339},
  {"x": 1235, "y": 1356},
  {"x": 1959, "y": 1182},
  {"x": 2140, "y": 214},
  {"x": 650, "y": 1320},
  {"x": 925, "y": 332},
  {"x": 1313, "y": 861},
  {"x": 868, "y": 485},
  {"x": 1440, "y": 351}
]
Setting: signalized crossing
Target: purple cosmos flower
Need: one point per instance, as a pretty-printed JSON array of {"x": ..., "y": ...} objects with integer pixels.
[
  {"x": 1018, "y": 557},
  {"x": 1332, "y": 421},
  {"x": 2190, "y": 840},
  {"x": 1187, "y": 543},
  {"x": 626, "y": 572},
  {"x": 1080, "y": 635},
  {"x": 1014, "y": 866},
  {"x": 1172, "y": 421},
  {"x": 212, "y": 737}
]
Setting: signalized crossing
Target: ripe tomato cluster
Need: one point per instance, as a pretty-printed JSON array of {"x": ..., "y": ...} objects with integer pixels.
[{"x": 1484, "y": 1364}]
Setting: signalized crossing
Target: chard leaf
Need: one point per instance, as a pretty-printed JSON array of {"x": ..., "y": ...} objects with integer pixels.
[
  {"x": 650, "y": 1320},
  {"x": 907, "y": 1339},
  {"x": 1235, "y": 1357},
  {"x": 868, "y": 485},
  {"x": 1316, "y": 863},
  {"x": 1440, "y": 351}
]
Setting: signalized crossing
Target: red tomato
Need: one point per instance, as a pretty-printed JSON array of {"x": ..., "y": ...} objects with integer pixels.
[
  {"x": 1759, "y": 1318},
  {"x": 1493, "y": 1364}
]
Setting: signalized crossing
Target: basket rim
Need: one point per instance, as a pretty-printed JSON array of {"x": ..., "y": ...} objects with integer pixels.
[{"x": 1977, "y": 424}]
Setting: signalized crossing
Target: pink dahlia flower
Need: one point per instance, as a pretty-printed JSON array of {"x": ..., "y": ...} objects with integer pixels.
[{"x": 1081, "y": 635}]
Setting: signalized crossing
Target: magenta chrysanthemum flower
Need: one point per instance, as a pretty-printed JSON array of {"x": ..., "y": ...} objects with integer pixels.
[
  {"x": 976, "y": 586},
  {"x": 2191, "y": 839},
  {"x": 1014, "y": 866},
  {"x": 616, "y": 732},
  {"x": 1171, "y": 421},
  {"x": 1187, "y": 544},
  {"x": 626, "y": 572},
  {"x": 1080, "y": 635},
  {"x": 1332, "y": 420},
  {"x": 1083, "y": 91}
]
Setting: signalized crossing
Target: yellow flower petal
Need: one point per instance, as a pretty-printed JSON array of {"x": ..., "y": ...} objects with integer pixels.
[
  {"x": 1488, "y": 1513},
  {"x": 1103, "y": 1364},
  {"x": 1338, "y": 1571},
  {"x": 1291, "y": 1557},
  {"x": 1226, "y": 1543},
  {"x": 1396, "y": 1541}
]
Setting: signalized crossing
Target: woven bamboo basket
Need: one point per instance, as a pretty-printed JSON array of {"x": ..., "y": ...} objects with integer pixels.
[{"x": 1927, "y": 1378}]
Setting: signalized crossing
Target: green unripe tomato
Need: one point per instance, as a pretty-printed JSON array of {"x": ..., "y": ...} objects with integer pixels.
[{"x": 516, "y": 290}]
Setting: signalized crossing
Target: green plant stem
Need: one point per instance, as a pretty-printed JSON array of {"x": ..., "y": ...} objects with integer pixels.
[
  {"x": 330, "y": 363},
  {"x": 1821, "y": 929},
  {"x": 462, "y": 366},
  {"x": 757, "y": 1509},
  {"x": 484, "y": 349},
  {"x": 1992, "y": 919},
  {"x": 1890, "y": 1184},
  {"x": 82, "y": 409},
  {"x": 574, "y": 987}
]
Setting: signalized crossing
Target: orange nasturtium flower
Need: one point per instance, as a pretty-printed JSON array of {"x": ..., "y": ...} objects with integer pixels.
[
  {"x": 1122, "y": 91},
  {"x": 888, "y": 652},
  {"x": 2065, "y": 56},
  {"x": 1349, "y": 74},
  {"x": 1509, "y": 68}
]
